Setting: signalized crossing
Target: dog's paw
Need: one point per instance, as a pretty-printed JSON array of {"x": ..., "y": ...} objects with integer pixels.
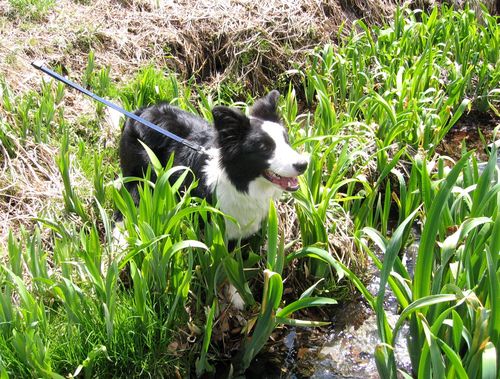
[
  {"x": 119, "y": 240},
  {"x": 234, "y": 298}
]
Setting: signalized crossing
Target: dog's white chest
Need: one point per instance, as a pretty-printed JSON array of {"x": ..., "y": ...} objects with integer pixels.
[{"x": 248, "y": 209}]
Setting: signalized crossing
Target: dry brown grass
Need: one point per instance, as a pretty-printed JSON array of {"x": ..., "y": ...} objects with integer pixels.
[
  {"x": 29, "y": 185},
  {"x": 250, "y": 41}
]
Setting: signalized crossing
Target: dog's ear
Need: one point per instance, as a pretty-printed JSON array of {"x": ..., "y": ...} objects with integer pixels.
[
  {"x": 230, "y": 121},
  {"x": 267, "y": 107}
]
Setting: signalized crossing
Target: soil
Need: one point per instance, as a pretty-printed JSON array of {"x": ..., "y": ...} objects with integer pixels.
[{"x": 472, "y": 129}]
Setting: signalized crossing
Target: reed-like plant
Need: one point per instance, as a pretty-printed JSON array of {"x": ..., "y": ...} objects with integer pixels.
[
  {"x": 412, "y": 79},
  {"x": 150, "y": 87},
  {"x": 72, "y": 201},
  {"x": 270, "y": 314},
  {"x": 74, "y": 302},
  {"x": 34, "y": 115},
  {"x": 451, "y": 301}
]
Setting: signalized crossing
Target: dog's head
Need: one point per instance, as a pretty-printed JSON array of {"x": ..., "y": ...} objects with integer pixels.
[{"x": 257, "y": 146}]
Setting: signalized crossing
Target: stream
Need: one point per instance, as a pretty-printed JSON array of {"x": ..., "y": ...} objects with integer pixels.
[
  {"x": 345, "y": 349},
  {"x": 349, "y": 347},
  {"x": 350, "y": 343}
]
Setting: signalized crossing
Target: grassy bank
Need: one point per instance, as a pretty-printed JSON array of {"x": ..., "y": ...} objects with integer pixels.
[{"x": 373, "y": 113}]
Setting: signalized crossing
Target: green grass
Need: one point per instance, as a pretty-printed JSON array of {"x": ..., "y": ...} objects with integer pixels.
[
  {"x": 32, "y": 9},
  {"x": 371, "y": 112}
]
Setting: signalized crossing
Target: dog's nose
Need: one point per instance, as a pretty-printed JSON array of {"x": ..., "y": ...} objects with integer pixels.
[{"x": 300, "y": 166}]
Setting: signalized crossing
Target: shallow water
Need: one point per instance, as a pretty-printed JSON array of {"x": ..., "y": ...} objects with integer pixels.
[{"x": 345, "y": 350}]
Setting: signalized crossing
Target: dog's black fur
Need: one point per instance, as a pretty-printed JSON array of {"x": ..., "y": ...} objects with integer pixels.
[
  {"x": 247, "y": 162},
  {"x": 244, "y": 151},
  {"x": 134, "y": 159}
]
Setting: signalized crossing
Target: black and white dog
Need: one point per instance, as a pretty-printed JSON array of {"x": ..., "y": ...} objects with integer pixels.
[{"x": 248, "y": 160}]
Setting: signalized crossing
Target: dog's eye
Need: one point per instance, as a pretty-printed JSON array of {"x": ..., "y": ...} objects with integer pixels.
[{"x": 265, "y": 146}]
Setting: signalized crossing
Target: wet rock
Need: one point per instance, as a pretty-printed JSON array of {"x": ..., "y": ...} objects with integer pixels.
[{"x": 349, "y": 352}]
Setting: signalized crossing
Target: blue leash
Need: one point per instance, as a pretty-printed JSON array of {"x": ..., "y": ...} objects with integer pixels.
[{"x": 39, "y": 66}]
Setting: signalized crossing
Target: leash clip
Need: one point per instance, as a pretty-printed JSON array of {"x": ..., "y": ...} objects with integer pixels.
[{"x": 38, "y": 64}]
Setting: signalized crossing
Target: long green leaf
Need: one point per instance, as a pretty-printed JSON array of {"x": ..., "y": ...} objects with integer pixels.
[
  {"x": 492, "y": 269},
  {"x": 425, "y": 258},
  {"x": 422, "y": 303},
  {"x": 391, "y": 253},
  {"x": 202, "y": 364},
  {"x": 455, "y": 360},
  {"x": 306, "y": 302},
  {"x": 266, "y": 322},
  {"x": 489, "y": 362},
  {"x": 272, "y": 238},
  {"x": 431, "y": 347}
]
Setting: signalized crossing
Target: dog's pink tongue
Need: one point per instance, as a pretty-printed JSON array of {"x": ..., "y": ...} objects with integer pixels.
[{"x": 288, "y": 184}]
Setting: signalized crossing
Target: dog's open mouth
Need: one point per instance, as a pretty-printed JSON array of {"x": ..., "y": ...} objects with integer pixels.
[{"x": 287, "y": 183}]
